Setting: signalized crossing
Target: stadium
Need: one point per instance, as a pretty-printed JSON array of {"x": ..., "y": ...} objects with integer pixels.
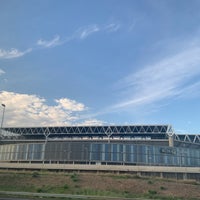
[{"x": 130, "y": 145}]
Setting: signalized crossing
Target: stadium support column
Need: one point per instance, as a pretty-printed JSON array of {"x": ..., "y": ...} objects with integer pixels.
[
  {"x": 170, "y": 134},
  {"x": 171, "y": 140},
  {"x": 46, "y": 134},
  {"x": 109, "y": 133}
]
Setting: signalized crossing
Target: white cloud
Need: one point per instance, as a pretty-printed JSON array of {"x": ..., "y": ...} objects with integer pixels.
[
  {"x": 112, "y": 27},
  {"x": 69, "y": 104},
  {"x": 84, "y": 32},
  {"x": 50, "y": 43},
  {"x": 169, "y": 78},
  {"x": 32, "y": 110},
  {"x": 91, "y": 122},
  {"x": 190, "y": 91},
  {"x": 12, "y": 53},
  {"x": 81, "y": 33},
  {"x": 1, "y": 72}
]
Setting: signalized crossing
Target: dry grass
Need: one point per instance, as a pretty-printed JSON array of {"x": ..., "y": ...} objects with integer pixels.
[{"x": 98, "y": 184}]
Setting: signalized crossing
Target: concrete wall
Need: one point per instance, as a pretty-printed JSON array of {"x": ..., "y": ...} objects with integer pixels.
[{"x": 160, "y": 171}]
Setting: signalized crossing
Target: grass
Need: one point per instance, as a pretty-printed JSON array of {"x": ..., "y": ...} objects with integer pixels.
[
  {"x": 152, "y": 192},
  {"x": 150, "y": 182},
  {"x": 120, "y": 185},
  {"x": 74, "y": 177},
  {"x": 35, "y": 174}
]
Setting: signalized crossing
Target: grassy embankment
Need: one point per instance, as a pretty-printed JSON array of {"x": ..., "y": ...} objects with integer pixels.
[{"x": 111, "y": 185}]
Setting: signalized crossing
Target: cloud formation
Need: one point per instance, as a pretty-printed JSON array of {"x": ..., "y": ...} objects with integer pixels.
[
  {"x": 112, "y": 27},
  {"x": 32, "y": 110},
  {"x": 1, "y": 72},
  {"x": 69, "y": 104},
  {"x": 81, "y": 33},
  {"x": 171, "y": 77},
  {"x": 88, "y": 30},
  {"x": 50, "y": 43},
  {"x": 90, "y": 122},
  {"x": 13, "y": 53}
]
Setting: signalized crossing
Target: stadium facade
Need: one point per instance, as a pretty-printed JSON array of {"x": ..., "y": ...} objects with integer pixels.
[{"x": 144, "y": 145}]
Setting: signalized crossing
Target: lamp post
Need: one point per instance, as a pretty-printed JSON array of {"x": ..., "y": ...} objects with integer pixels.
[{"x": 4, "y": 106}]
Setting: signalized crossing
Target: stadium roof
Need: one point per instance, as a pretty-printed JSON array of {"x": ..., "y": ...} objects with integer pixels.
[
  {"x": 92, "y": 130},
  {"x": 132, "y": 131}
]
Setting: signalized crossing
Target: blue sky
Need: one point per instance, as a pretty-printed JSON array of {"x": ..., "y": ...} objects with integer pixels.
[{"x": 100, "y": 62}]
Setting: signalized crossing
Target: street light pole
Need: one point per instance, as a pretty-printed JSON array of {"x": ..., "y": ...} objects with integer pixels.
[{"x": 4, "y": 106}]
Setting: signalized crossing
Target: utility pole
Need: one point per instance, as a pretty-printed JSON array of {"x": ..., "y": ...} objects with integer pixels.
[{"x": 4, "y": 106}]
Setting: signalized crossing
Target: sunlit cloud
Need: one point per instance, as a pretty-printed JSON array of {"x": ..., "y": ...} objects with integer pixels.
[
  {"x": 69, "y": 104},
  {"x": 91, "y": 122},
  {"x": 32, "y": 110},
  {"x": 13, "y": 53},
  {"x": 171, "y": 77}
]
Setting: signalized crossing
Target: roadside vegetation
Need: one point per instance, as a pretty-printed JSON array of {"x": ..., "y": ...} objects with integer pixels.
[{"x": 97, "y": 184}]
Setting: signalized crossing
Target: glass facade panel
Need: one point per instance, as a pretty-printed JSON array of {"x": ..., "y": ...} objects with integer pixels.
[{"x": 135, "y": 154}]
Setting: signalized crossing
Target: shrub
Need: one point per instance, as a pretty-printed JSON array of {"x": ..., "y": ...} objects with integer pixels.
[
  {"x": 35, "y": 174},
  {"x": 74, "y": 177},
  {"x": 39, "y": 190},
  {"x": 150, "y": 182},
  {"x": 66, "y": 187},
  {"x": 152, "y": 192},
  {"x": 162, "y": 188}
]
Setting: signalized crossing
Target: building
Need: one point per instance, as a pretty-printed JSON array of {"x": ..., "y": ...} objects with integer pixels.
[{"x": 132, "y": 145}]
